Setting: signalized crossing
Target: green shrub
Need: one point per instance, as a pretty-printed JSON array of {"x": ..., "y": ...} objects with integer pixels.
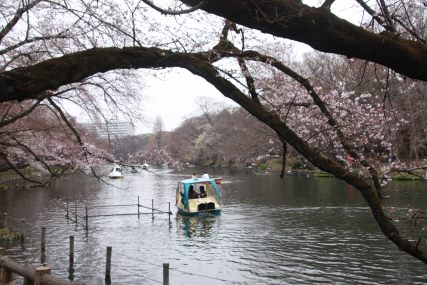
[
  {"x": 262, "y": 166},
  {"x": 6, "y": 234},
  {"x": 298, "y": 164}
]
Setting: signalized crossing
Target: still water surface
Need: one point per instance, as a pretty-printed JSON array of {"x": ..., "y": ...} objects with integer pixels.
[{"x": 271, "y": 231}]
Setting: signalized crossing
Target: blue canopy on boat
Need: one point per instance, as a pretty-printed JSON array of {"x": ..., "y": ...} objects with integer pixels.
[{"x": 193, "y": 181}]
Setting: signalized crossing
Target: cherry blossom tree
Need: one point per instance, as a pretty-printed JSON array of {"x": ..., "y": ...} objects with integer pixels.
[
  {"x": 109, "y": 36},
  {"x": 34, "y": 31},
  {"x": 37, "y": 135}
]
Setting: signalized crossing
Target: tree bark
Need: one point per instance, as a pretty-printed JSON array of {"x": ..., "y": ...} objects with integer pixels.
[{"x": 31, "y": 82}]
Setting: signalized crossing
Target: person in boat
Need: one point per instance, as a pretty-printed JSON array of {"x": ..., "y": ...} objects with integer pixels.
[
  {"x": 205, "y": 175},
  {"x": 202, "y": 191},
  {"x": 192, "y": 194},
  {"x": 194, "y": 175}
]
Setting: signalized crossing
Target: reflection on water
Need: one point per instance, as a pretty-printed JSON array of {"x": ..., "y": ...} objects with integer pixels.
[
  {"x": 271, "y": 231},
  {"x": 197, "y": 227}
]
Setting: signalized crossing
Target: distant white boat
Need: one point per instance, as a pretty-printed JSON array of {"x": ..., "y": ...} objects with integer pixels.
[
  {"x": 145, "y": 166},
  {"x": 116, "y": 172}
]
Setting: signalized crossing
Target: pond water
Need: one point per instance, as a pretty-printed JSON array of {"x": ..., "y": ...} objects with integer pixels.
[{"x": 271, "y": 231}]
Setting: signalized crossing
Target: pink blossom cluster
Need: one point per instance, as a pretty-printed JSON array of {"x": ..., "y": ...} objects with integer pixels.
[{"x": 366, "y": 125}]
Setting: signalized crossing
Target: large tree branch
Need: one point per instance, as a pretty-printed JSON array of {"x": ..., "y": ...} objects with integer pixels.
[{"x": 323, "y": 31}]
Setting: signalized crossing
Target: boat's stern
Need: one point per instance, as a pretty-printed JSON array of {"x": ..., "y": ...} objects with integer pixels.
[{"x": 199, "y": 205}]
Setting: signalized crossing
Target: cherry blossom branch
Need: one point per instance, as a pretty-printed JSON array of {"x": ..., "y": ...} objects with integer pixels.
[
  {"x": 20, "y": 115},
  {"x": 411, "y": 29},
  {"x": 38, "y": 158},
  {"x": 249, "y": 80},
  {"x": 64, "y": 118},
  {"x": 231, "y": 51},
  {"x": 32, "y": 40},
  {"x": 387, "y": 17},
  {"x": 374, "y": 15},
  {"x": 85, "y": 149},
  {"x": 170, "y": 12},
  {"x": 16, "y": 18},
  {"x": 18, "y": 56},
  {"x": 243, "y": 67},
  {"x": 16, "y": 170}
]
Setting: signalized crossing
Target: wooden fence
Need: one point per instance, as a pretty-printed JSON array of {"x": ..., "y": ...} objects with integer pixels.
[{"x": 32, "y": 275}]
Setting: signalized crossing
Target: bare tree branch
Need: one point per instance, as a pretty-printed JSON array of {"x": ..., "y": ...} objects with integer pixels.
[
  {"x": 20, "y": 115},
  {"x": 32, "y": 40},
  {"x": 327, "y": 4},
  {"x": 67, "y": 122},
  {"x": 170, "y": 12},
  {"x": 17, "y": 16},
  {"x": 16, "y": 170}
]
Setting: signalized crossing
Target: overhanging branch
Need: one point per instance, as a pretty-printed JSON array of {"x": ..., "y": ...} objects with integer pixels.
[{"x": 323, "y": 31}]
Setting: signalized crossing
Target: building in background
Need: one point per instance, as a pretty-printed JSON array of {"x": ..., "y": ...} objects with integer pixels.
[{"x": 110, "y": 129}]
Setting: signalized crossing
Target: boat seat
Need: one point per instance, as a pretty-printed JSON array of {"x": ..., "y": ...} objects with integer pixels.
[
  {"x": 204, "y": 207},
  {"x": 210, "y": 206}
]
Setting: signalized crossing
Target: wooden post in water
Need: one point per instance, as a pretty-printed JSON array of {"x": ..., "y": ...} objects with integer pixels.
[
  {"x": 43, "y": 246},
  {"x": 22, "y": 230},
  {"x": 39, "y": 272},
  {"x": 71, "y": 251},
  {"x": 152, "y": 208},
  {"x": 87, "y": 220},
  {"x": 66, "y": 207},
  {"x": 108, "y": 266},
  {"x": 169, "y": 213},
  {"x": 138, "y": 207},
  {"x": 75, "y": 213},
  {"x": 165, "y": 273}
]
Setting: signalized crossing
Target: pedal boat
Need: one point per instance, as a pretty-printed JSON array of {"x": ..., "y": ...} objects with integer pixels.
[{"x": 192, "y": 200}]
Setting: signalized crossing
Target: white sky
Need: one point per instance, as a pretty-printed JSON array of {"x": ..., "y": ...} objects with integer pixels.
[{"x": 174, "y": 96}]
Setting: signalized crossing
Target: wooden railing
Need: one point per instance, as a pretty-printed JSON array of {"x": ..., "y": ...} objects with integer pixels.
[{"x": 32, "y": 275}]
